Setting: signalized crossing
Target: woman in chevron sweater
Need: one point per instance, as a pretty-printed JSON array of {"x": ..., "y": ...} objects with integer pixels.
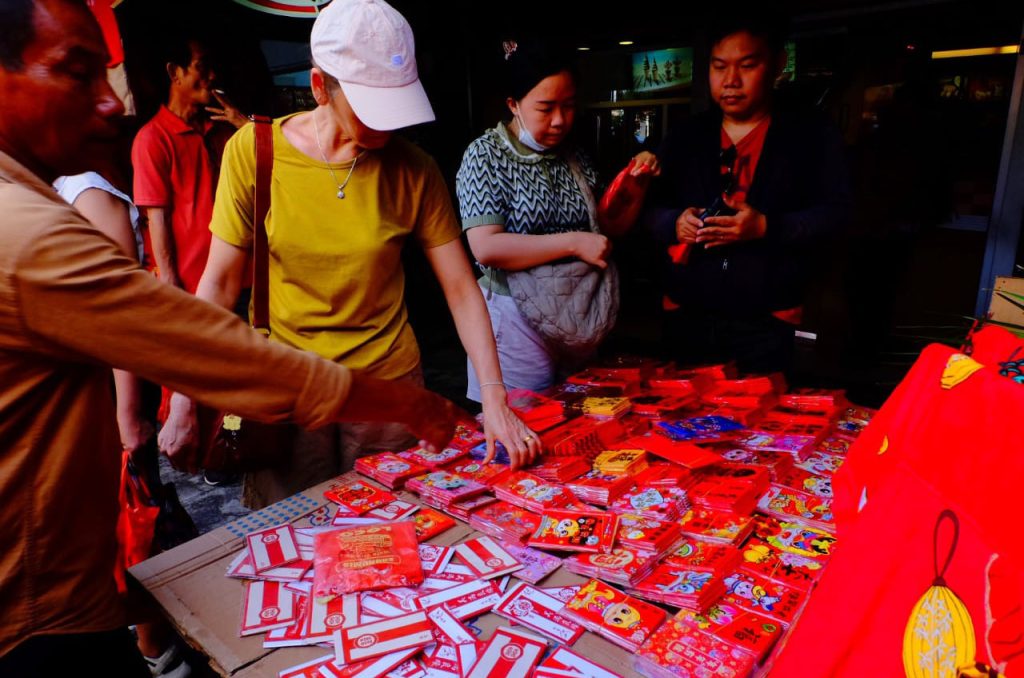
[{"x": 526, "y": 199}]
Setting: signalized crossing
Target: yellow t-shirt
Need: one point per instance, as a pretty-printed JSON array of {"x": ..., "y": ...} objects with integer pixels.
[{"x": 336, "y": 279}]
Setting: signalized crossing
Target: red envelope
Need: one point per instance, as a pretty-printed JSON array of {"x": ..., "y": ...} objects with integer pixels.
[
  {"x": 267, "y": 605},
  {"x": 508, "y": 654},
  {"x": 272, "y": 547},
  {"x": 486, "y": 558},
  {"x": 365, "y": 641},
  {"x": 358, "y": 496},
  {"x": 365, "y": 558}
]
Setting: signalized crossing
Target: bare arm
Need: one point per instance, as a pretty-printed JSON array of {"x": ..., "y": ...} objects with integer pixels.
[
  {"x": 220, "y": 285},
  {"x": 163, "y": 244},
  {"x": 492, "y": 246},
  {"x": 222, "y": 277},
  {"x": 452, "y": 268},
  {"x": 109, "y": 214}
]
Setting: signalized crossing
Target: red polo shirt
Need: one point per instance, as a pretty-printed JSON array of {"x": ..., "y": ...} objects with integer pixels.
[{"x": 176, "y": 167}]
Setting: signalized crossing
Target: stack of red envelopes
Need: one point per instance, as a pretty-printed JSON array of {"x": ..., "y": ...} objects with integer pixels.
[
  {"x": 622, "y": 566},
  {"x": 611, "y": 614},
  {"x": 560, "y": 469},
  {"x": 575, "y": 530},
  {"x": 388, "y": 469},
  {"x": 661, "y": 503},
  {"x": 599, "y": 488},
  {"x": 677, "y": 586},
  {"x": 532, "y": 493},
  {"x": 505, "y": 521}
]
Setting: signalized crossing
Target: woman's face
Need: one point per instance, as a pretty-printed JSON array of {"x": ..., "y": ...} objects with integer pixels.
[{"x": 548, "y": 110}]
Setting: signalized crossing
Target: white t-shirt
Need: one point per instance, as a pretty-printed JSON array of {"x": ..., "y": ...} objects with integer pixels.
[{"x": 70, "y": 187}]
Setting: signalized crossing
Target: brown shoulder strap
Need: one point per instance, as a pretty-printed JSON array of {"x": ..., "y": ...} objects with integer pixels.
[{"x": 260, "y": 247}]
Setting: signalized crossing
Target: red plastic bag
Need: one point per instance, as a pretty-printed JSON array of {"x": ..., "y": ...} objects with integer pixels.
[{"x": 137, "y": 521}]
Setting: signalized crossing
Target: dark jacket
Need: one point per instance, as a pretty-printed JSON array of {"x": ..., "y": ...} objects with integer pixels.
[{"x": 802, "y": 187}]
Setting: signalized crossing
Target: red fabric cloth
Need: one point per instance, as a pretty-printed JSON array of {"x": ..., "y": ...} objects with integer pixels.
[
  {"x": 928, "y": 450},
  {"x": 176, "y": 167},
  {"x": 104, "y": 14}
]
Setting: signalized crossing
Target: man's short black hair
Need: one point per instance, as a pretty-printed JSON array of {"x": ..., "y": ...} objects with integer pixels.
[
  {"x": 18, "y": 30},
  {"x": 754, "y": 18},
  {"x": 178, "y": 43}
]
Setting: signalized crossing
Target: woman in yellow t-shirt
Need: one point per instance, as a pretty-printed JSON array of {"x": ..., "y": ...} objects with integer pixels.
[{"x": 345, "y": 195}]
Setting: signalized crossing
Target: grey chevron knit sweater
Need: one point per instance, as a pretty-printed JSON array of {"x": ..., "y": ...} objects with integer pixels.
[{"x": 502, "y": 182}]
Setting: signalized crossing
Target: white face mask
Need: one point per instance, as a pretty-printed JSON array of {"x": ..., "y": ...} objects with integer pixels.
[{"x": 526, "y": 138}]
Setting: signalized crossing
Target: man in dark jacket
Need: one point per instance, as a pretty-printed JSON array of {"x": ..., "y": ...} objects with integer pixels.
[{"x": 746, "y": 197}]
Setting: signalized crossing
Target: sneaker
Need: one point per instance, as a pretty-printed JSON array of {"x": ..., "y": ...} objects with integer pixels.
[
  {"x": 217, "y": 478},
  {"x": 169, "y": 665}
]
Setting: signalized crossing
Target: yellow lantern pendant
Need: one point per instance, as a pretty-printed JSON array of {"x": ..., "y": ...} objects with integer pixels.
[{"x": 939, "y": 638}]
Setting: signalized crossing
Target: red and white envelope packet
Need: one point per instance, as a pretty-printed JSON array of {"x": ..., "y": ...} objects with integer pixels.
[
  {"x": 508, "y": 654},
  {"x": 465, "y": 600},
  {"x": 393, "y": 602},
  {"x": 272, "y": 547},
  {"x": 357, "y": 643},
  {"x": 536, "y": 563},
  {"x": 445, "y": 580},
  {"x": 370, "y": 668},
  {"x": 565, "y": 659},
  {"x": 396, "y": 510},
  {"x": 445, "y": 659},
  {"x": 412, "y": 668},
  {"x": 242, "y": 568},
  {"x": 435, "y": 558},
  {"x": 469, "y": 654},
  {"x": 307, "y": 670},
  {"x": 531, "y": 607},
  {"x": 267, "y": 605},
  {"x": 448, "y": 629},
  {"x": 293, "y": 635},
  {"x": 486, "y": 558},
  {"x": 327, "y": 616},
  {"x": 563, "y": 593}
]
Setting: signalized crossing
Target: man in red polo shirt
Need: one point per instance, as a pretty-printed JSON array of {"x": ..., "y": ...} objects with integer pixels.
[{"x": 176, "y": 157}]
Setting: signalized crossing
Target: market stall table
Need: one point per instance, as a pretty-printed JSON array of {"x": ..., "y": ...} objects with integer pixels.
[{"x": 189, "y": 584}]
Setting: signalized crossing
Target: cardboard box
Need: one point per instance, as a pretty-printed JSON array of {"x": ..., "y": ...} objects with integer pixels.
[
  {"x": 204, "y": 606},
  {"x": 1007, "y": 305}
]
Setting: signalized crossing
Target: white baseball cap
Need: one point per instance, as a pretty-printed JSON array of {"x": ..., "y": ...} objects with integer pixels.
[{"x": 369, "y": 48}]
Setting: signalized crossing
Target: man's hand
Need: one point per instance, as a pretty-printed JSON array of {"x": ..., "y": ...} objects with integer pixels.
[
  {"x": 433, "y": 419},
  {"x": 502, "y": 425},
  {"x": 178, "y": 437},
  {"x": 227, "y": 112},
  {"x": 746, "y": 224},
  {"x": 592, "y": 248},
  {"x": 688, "y": 224}
]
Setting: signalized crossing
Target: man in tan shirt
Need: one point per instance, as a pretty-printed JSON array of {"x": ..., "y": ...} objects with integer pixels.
[{"x": 71, "y": 307}]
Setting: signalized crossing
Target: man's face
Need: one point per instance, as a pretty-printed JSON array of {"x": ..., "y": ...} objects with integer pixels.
[
  {"x": 196, "y": 81},
  {"x": 59, "y": 112},
  {"x": 742, "y": 73}
]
